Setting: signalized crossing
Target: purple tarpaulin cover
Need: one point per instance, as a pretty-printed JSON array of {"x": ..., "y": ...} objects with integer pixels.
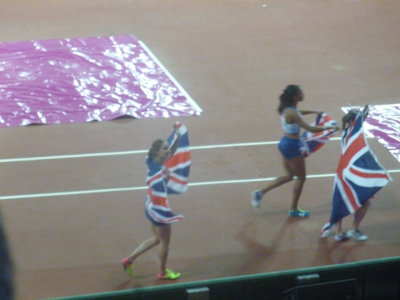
[
  {"x": 86, "y": 79},
  {"x": 383, "y": 122}
]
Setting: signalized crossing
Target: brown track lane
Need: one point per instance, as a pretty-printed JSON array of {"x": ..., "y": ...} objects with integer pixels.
[{"x": 234, "y": 58}]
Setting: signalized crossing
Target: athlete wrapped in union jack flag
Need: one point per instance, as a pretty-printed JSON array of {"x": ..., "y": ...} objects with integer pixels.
[
  {"x": 168, "y": 165},
  {"x": 359, "y": 176}
]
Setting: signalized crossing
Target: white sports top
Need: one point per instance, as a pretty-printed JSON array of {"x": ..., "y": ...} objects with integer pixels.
[{"x": 290, "y": 128}]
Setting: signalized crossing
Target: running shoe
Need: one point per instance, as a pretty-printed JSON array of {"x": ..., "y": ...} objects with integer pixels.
[
  {"x": 325, "y": 233},
  {"x": 299, "y": 213},
  {"x": 357, "y": 235},
  {"x": 256, "y": 199},
  {"x": 169, "y": 274},
  {"x": 127, "y": 265},
  {"x": 341, "y": 237}
]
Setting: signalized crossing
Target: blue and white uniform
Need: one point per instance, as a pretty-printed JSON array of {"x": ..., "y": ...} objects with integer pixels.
[{"x": 290, "y": 147}]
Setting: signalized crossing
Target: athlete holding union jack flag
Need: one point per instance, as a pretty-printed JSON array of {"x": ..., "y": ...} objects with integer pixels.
[
  {"x": 291, "y": 147},
  {"x": 168, "y": 165},
  {"x": 358, "y": 177}
]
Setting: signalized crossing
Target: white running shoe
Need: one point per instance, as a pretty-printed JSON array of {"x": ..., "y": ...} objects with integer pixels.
[
  {"x": 341, "y": 237},
  {"x": 357, "y": 235},
  {"x": 325, "y": 233}
]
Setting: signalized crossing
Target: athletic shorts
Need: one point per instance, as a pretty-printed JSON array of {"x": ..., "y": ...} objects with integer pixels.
[{"x": 290, "y": 148}]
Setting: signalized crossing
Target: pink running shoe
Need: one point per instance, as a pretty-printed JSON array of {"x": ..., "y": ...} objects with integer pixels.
[{"x": 127, "y": 265}]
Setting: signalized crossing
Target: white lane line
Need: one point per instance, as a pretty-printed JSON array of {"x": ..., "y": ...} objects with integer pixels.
[
  {"x": 71, "y": 193},
  {"x": 69, "y": 156},
  {"x": 117, "y": 153},
  {"x": 124, "y": 189}
]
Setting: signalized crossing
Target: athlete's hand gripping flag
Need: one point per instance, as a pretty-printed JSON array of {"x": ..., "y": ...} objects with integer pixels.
[{"x": 313, "y": 141}]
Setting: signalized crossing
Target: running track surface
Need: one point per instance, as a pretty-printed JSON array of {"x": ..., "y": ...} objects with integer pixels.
[{"x": 233, "y": 58}]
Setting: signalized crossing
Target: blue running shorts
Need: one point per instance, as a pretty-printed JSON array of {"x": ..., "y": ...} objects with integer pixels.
[{"x": 290, "y": 148}]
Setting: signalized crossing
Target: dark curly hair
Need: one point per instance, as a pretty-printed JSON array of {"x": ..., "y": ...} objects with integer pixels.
[{"x": 287, "y": 98}]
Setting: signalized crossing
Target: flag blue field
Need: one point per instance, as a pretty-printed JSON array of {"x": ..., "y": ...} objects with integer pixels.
[{"x": 359, "y": 174}]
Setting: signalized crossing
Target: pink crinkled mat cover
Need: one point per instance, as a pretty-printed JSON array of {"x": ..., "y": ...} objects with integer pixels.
[
  {"x": 383, "y": 123},
  {"x": 86, "y": 79}
]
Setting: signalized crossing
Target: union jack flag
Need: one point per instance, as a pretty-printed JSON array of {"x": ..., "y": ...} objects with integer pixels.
[
  {"x": 313, "y": 141},
  {"x": 179, "y": 164},
  {"x": 170, "y": 178},
  {"x": 359, "y": 174}
]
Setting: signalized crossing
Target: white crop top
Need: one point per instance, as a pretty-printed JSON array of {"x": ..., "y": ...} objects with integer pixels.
[{"x": 290, "y": 128}]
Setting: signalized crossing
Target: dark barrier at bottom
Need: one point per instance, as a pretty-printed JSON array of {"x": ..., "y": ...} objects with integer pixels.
[
  {"x": 334, "y": 290},
  {"x": 364, "y": 280}
]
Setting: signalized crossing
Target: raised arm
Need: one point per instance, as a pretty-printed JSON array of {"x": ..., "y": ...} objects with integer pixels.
[{"x": 175, "y": 144}]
